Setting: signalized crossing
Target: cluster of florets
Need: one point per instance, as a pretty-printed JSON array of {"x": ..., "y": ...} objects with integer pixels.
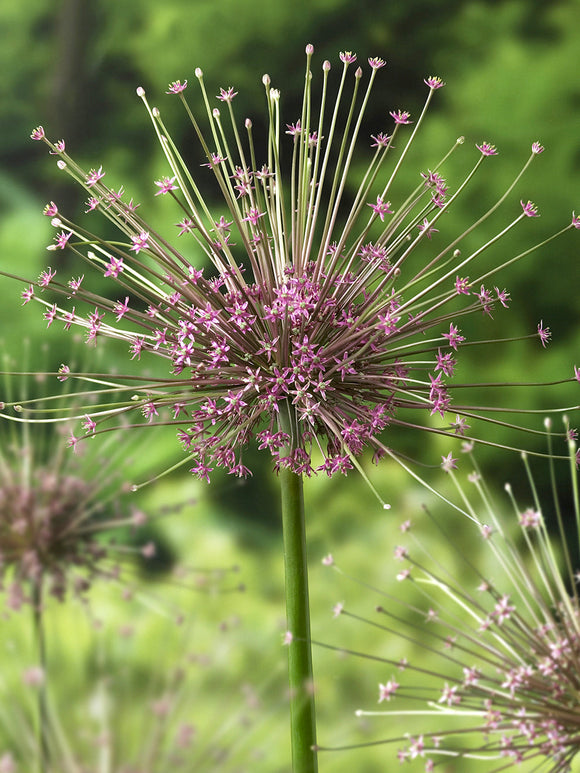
[
  {"x": 524, "y": 687},
  {"x": 502, "y": 656},
  {"x": 43, "y": 536},
  {"x": 293, "y": 343},
  {"x": 318, "y": 348}
]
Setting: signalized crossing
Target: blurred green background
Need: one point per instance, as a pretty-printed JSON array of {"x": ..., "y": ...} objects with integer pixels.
[{"x": 511, "y": 69}]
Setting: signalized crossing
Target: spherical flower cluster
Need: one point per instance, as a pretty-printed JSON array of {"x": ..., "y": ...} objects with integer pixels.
[{"x": 312, "y": 331}]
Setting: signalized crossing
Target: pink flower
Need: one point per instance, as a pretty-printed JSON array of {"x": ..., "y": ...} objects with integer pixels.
[
  {"x": 381, "y": 208},
  {"x": 347, "y": 57},
  {"x": 386, "y": 691},
  {"x": 227, "y": 95},
  {"x": 27, "y": 295},
  {"x": 46, "y": 277},
  {"x": 176, "y": 87},
  {"x": 38, "y": 133},
  {"x": 544, "y": 333},
  {"x": 140, "y": 242},
  {"x": 293, "y": 128},
  {"x": 462, "y": 286},
  {"x": 94, "y": 176},
  {"x": 376, "y": 62},
  {"x": 448, "y": 463},
  {"x": 434, "y": 82},
  {"x": 185, "y": 226},
  {"x": 486, "y": 149},
  {"x": 380, "y": 140},
  {"x": 50, "y": 314},
  {"x": 537, "y": 148},
  {"x": 89, "y": 425},
  {"x": 400, "y": 116},
  {"x": 50, "y": 210},
  {"x": 165, "y": 185},
  {"x": 453, "y": 336},
  {"x": 427, "y": 229},
  {"x": 75, "y": 284},
  {"x": 121, "y": 307},
  {"x": 253, "y": 216},
  {"x": 530, "y": 209},
  {"x": 61, "y": 239},
  {"x": 530, "y": 518},
  {"x": 114, "y": 267}
]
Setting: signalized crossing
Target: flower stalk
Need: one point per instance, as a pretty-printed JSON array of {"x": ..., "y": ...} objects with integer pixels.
[{"x": 300, "y": 674}]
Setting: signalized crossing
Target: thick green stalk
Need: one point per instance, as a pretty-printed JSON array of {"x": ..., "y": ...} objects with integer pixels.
[{"x": 302, "y": 711}]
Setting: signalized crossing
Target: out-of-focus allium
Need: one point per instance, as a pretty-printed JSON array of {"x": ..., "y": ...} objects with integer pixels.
[
  {"x": 65, "y": 518},
  {"x": 493, "y": 634},
  {"x": 315, "y": 326}
]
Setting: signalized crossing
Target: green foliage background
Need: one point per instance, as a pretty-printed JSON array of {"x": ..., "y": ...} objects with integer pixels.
[{"x": 511, "y": 69}]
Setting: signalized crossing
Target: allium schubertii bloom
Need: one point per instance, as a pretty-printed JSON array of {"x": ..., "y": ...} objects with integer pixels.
[
  {"x": 494, "y": 632},
  {"x": 312, "y": 328},
  {"x": 323, "y": 306}
]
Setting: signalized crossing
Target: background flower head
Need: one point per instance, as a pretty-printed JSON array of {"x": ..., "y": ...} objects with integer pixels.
[{"x": 492, "y": 634}]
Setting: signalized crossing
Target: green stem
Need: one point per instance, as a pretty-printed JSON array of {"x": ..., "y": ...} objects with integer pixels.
[
  {"x": 43, "y": 750},
  {"x": 302, "y": 711}
]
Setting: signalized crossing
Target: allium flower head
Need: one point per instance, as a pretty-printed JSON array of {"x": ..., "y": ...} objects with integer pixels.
[
  {"x": 302, "y": 325},
  {"x": 497, "y": 670}
]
